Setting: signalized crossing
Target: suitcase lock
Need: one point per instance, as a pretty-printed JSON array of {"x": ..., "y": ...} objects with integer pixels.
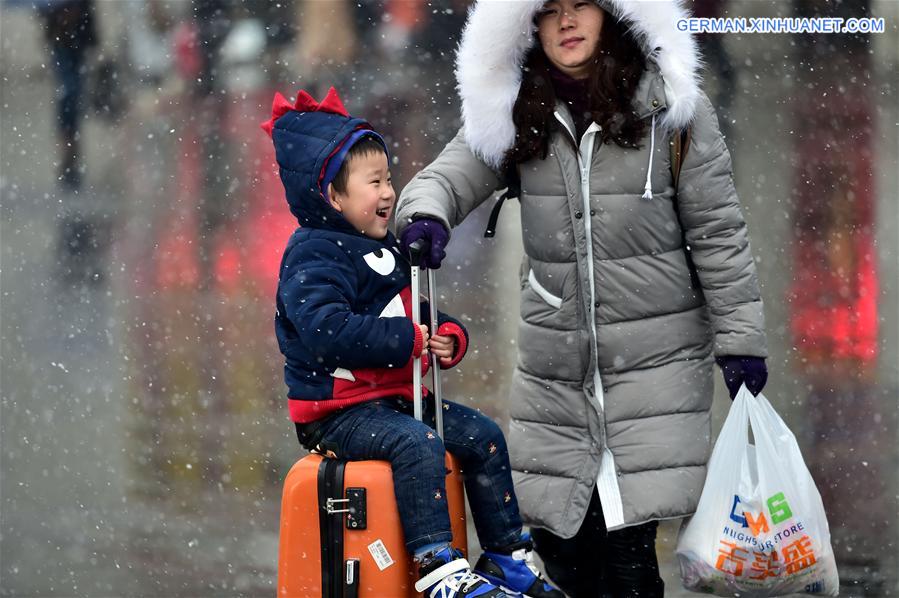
[
  {"x": 331, "y": 508},
  {"x": 356, "y": 518},
  {"x": 354, "y": 505}
]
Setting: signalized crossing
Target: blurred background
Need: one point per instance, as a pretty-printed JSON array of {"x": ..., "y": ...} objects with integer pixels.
[{"x": 144, "y": 430}]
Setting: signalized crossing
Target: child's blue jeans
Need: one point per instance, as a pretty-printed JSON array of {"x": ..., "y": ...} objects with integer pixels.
[{"x": 385, "y": 429}]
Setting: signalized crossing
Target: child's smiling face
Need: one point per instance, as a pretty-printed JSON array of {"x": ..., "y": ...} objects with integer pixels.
[{"x": 369, "y": 198}]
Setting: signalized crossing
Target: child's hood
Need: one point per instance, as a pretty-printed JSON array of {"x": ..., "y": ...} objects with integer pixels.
[{"x": 311, "y": 141}]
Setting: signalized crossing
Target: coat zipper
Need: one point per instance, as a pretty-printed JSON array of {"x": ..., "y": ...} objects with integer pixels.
[
  {"x": 606, "y": 481},
  {"x": 584, "y": 164}
]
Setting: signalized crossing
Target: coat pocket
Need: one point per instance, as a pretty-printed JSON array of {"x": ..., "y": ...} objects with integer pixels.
[{"x": 541, "y": 291}]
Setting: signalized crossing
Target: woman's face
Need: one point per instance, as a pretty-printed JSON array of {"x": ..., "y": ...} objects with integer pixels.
[{"x": 569, "y": 33}]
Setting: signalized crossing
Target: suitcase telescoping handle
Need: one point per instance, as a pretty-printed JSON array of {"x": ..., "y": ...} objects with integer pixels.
[
  {"x": 435, "y": 361},
  {"x": 415, "y": 253}
]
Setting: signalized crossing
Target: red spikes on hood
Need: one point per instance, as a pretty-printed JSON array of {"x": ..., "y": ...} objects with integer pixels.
[{"x": 304, "y": 103}]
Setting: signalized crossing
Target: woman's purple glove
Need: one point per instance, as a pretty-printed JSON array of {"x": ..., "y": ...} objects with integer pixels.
[
  {"x": 434, "y": 238},
  {"x": 739, "y": 370}
]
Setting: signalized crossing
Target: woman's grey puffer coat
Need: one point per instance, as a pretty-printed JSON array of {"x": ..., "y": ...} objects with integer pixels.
[{"x": 613, "y": 384}]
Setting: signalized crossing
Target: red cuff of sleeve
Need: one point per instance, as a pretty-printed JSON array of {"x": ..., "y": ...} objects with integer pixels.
[
  {"x": 418, "y": 343},
  {"x": 454, "y": 330}
]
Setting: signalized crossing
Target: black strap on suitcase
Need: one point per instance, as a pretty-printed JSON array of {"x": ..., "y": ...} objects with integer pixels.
[{"x": 330, "y": 494}]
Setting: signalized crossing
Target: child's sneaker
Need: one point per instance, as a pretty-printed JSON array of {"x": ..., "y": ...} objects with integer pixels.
[
  {"x": 513, "y": 571},
  {"x": 447, "y": 575}
]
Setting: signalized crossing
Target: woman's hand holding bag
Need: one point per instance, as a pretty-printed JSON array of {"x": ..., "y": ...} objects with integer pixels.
[
  {"x": 739, "y": 370},
  {"x": 760, "y": 527}
]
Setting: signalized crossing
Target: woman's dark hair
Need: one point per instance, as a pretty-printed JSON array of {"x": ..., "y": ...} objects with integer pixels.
[
  {"x": 363, "y": 147},
  {"x": 618, "y": 64}
]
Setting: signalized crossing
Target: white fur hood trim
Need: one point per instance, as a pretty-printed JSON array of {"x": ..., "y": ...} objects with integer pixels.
[{"x": 499, "y": 34}]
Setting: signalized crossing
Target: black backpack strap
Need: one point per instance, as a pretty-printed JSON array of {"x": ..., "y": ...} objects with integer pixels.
[
  {"x": 513, "y": 190},
  {"x": 680, "y": 144}
]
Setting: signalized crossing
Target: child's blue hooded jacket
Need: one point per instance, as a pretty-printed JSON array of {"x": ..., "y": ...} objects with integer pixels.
[{"x": 343, "y": 316}]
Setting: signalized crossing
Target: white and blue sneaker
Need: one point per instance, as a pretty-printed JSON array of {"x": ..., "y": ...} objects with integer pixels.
[
  {"x": 446, "y": 574},
  {"x": 513, "y": 571}
]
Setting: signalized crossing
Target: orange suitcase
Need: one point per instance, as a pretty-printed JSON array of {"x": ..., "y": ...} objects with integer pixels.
[
  {"x": 341, "y": 535},
  {"x": 340, "y": 530}
]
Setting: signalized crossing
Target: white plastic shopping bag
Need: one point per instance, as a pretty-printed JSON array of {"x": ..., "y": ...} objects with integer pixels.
[{"x": 760, "y": 528}]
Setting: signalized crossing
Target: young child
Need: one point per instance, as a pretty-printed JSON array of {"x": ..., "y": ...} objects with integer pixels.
[{"x": 343, "y": 325}]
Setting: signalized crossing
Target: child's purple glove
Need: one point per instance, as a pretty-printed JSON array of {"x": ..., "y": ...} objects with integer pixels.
[
  {"x": 739, "y": 370},
  {"x": 434, "y": 237}
]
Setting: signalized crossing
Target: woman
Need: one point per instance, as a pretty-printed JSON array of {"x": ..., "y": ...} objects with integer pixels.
[{"x": 610, "y": 426}]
